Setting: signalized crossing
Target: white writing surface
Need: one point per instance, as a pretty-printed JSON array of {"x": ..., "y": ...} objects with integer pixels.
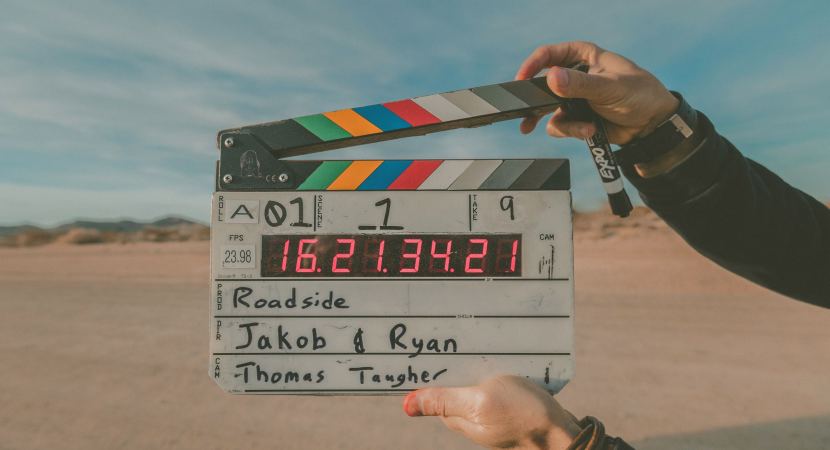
[{"x": 384, "y": 292}]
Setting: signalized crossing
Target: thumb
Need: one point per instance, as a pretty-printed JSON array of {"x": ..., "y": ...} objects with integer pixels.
[
  {"x": 571, "y": 83},
  {"x": 445, "y": 402}
]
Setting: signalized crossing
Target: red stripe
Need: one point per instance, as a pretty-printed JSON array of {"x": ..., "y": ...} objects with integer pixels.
[
  {"x": 411, "y": 112},
  {"x": 414, "y": 175}
]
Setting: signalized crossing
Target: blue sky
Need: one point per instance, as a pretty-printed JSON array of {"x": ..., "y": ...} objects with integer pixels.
[{"x": 110, "y": 110}]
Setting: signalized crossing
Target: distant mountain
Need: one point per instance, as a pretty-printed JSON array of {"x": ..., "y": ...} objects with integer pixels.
[
  {"x": 8, "y": 230},
  {"x": 120, "y": 225},
  {"x": 173, "y": 221},
  {"x": 125, "y": 225}
]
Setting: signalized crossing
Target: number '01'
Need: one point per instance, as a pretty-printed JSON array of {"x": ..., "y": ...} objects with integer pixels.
[{"x": 276, "y": 213}]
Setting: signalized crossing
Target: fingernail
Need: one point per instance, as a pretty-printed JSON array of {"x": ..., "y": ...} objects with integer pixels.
[{"x": 409, "y": 407}]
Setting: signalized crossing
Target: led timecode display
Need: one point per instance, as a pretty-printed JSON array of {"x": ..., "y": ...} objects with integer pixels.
[{"x": 394, "y": 255}]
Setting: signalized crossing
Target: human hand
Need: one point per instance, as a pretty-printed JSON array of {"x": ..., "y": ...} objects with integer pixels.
[
  {"x": 631, "y": 100},
  {"x": 503, "y": 412}
]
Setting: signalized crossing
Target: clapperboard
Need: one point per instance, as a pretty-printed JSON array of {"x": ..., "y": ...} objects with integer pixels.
[{"x": 384, "y": 276}]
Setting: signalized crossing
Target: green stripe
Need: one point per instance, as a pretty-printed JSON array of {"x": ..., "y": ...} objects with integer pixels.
[
  {"x": 322, "y": 127},
  {"x": 321, "y": 178}
]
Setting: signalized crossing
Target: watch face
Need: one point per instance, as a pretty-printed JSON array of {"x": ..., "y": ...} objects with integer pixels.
[{"x": 681, "y": 126}]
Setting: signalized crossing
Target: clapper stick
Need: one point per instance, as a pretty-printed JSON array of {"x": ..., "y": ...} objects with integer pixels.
[{"x": 417, "y": 116}]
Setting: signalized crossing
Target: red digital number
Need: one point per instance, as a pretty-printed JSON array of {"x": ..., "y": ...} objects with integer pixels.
[
  {"x": 273, "y": 256},
  {"x": 415, "y": 257},
  {"x": 438, "y": 256},
  {"x": 472, "y": 256},
  {"x": 347, "y": 255},
  {"x": 309, "y": 255},
  {"x": 370, "y": 254},
  {"x": 510, "y": 265},
  {"x": 285, "y": 255}
]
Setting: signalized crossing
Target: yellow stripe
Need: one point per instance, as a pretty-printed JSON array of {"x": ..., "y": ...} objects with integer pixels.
[
  {"x": 352, "y": 122},
  {"x": 351, "y": 178}
]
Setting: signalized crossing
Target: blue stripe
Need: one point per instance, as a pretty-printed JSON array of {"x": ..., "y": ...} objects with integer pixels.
[
  {"x": 384, "y": 175},
  {"x": 382, "y": 118}
]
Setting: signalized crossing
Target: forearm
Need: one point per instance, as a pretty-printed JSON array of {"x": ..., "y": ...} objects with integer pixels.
[{"x": 742, "y": 216}]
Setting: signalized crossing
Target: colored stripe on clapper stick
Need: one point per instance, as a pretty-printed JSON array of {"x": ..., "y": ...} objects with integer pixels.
[
  {"x": 412, "y": 112},
  {"x": 445, "y": 174},
  {"x": 352, "y": 122},
  {"x": 322, "y": 127},
  {"x": 475, "y": 174},
  {"x": 351, "y": 178},
  {"x": 384, "y": 175},
  {"x": 382, "y": 117},
  {"x": 414, "y": 175},
  {"x": 506, "y": 174},
  {"x": 323, "y": 176}
]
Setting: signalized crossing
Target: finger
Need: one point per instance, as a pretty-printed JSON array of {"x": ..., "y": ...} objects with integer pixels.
[
  {"x": 445, "y": 402},
  {"x": 560, "y": 126},
  {"x": 563, "y": 54},
  {"x": 571, "y": 83},
  {"x": 529, "y": 123}
]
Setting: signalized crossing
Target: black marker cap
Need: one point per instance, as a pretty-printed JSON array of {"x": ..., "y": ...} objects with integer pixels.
[{"x": 620, "y": 203}]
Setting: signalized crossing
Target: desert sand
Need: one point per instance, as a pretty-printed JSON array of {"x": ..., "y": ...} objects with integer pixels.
[{"x": 105, "y": 347}]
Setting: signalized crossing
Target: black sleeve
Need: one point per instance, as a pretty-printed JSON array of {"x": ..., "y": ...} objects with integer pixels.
[{"x": 745, "y": 218}]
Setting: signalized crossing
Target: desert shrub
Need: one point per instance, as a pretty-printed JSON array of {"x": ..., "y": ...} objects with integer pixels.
[
  {"x": 81, "y": 236},
  {"x": 34, "y": 237}
]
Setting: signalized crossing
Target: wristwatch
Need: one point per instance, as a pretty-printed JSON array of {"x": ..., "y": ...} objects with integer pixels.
[{"x": 668, "y": 135}]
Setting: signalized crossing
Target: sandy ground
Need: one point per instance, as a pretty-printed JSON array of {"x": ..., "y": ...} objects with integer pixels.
[{"x": 105, "y": 347}]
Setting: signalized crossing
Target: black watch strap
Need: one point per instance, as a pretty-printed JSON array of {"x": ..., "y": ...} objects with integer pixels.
[{"x": 668, "y": 135}]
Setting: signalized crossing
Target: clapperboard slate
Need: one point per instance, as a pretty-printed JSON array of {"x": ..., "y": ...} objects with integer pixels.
[{"x": 380, "y": 277}]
